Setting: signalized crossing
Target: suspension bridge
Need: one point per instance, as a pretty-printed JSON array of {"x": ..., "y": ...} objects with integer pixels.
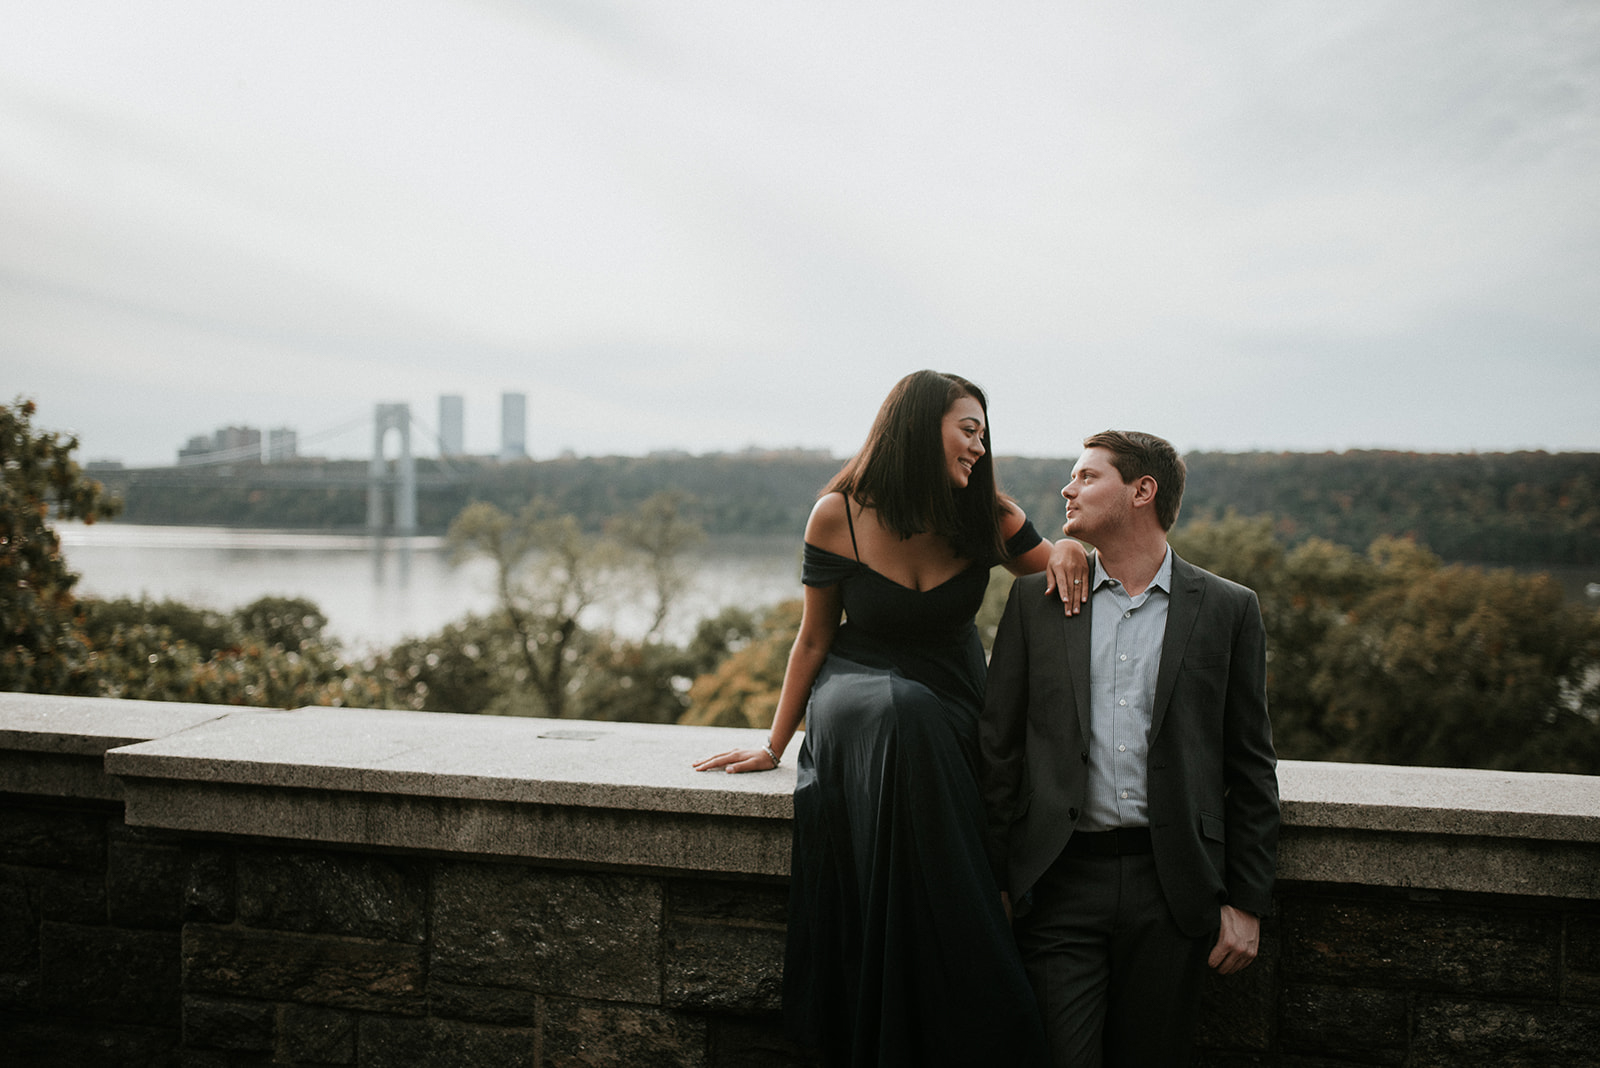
[{"x": 392, "y": 485}]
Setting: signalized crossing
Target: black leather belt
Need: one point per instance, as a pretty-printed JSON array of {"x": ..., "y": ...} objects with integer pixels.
[{"x": 1120, "y": 842}]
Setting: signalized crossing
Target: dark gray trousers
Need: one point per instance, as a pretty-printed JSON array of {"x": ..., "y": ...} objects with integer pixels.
[{"x": 1117, "y": 982}]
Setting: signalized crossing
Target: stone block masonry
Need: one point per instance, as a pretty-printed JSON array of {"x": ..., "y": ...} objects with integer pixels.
[
  {"x": 196, "y": 886},
  {"x": 163, "y": 947}
]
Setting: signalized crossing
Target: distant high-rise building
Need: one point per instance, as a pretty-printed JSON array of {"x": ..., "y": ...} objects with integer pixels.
[
  {"x": 229, "y": 444},
  {"x": 198, "y": 449},
  {"x": 452, "y": 425},
  {"x": 237, "y": 443},
  {"x": 282, "y": 444},
  {"x": 513, "y": 426}
]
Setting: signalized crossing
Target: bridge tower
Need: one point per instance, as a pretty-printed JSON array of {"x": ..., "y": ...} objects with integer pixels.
[{"x": 404, "y": 482}]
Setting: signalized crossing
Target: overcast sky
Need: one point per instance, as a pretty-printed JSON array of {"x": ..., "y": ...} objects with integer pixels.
[{"x": 710, "y": 224}]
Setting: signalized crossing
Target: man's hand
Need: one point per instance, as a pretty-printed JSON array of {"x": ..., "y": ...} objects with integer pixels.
[{"x": 1237, "y": 942}]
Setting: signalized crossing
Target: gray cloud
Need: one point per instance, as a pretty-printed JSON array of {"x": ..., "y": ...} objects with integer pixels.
[{"x": 1244, "y": 226}]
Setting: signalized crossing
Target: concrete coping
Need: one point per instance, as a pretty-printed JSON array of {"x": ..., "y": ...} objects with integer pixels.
[
  {"x": 647, "y": 767},
  {"x": 1450, "y": 801},
  {"x": 88, "y": 726},
  {"x": 572, "y": 763},
  {"x": 55, "y": 746}
]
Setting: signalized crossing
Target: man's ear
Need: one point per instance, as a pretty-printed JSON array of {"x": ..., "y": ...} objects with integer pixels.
[{"x": 1144, "y": 491}]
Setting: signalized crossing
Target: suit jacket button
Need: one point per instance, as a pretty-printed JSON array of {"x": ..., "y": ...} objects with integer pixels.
[
  {"x": 1072, "y": 813},
  {"x": 1084, "y": 756}
]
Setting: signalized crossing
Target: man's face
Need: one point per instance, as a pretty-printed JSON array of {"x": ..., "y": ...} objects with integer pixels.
[{"x": 1098, "y": 501}]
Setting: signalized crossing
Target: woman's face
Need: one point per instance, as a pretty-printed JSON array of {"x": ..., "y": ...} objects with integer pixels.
[{"x": 963, "y": 439}]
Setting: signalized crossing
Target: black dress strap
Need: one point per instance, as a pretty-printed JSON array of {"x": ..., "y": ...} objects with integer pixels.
[
  {"x": 1026, "y": 537},
  {"x": 854, "y": 547}
]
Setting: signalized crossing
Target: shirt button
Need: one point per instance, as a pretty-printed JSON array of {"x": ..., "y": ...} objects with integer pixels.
[
  {"x": 1127, "y": 615},
  {"x": 1122, "y": 749},
  {"x": 1124, "y": 701},
  {"x": 1124, "y": 795},
  {"x": 1124, "y": 656}
]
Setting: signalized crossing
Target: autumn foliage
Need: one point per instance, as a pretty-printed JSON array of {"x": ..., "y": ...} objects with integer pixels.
[
  {"x": 1392, "y": 657},
  {"x": 1383, "y": 656}
]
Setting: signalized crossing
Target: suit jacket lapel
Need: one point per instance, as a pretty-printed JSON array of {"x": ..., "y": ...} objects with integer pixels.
[
  {"x": 1075, "y": 637},
  {"x": 1075, "y": 642},
  {"x": 1183, "y": 608}
]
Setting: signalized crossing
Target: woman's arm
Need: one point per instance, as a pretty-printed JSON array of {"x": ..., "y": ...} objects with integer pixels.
[
  {"x": 1065, "y": 562},
  {"x": 819, "y": 621}
]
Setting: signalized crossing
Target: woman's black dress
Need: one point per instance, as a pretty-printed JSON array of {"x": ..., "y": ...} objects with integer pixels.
[{"x": 899, "y": 952}]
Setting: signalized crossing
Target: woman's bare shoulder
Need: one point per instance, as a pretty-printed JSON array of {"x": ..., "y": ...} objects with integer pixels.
[
  {"x": 1011, "y": 517},
  {"x": 829, "y": 527}
]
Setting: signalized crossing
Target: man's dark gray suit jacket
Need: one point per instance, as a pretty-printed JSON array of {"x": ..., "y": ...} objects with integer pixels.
[{"x": 1213, "y": 784}]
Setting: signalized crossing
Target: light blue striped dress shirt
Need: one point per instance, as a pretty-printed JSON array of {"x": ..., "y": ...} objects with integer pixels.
[{"x": 1125, "y": 636}]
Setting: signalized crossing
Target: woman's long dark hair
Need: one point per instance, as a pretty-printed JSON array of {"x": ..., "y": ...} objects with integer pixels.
[{"x": 901, "y": 470}]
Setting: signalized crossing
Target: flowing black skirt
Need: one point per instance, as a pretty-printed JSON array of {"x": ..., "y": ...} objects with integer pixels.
[{"x": 899, "y": 952}]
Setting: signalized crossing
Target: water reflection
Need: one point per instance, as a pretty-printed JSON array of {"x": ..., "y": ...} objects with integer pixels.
[
  {"x": 383, "y": 547},
  {"x": 377, "y": 590}
]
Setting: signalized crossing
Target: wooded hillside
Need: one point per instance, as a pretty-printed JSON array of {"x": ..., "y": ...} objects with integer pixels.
[{"x": 1506, "y": 508}]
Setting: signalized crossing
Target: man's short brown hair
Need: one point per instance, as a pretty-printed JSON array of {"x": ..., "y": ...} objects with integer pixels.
[{"x": 1136, "y": 454}]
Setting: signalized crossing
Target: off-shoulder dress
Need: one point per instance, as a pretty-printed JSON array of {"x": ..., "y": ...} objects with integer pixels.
[{"x": 898, "y": 951}]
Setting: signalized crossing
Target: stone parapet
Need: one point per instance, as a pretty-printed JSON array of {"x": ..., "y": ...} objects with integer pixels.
[
  {"x": 338, "y": 886},
  {"x": 56, "y": 746},
  {"x": 1496, "y": 832},
  {"x": 592, "y": 793},
  {"x": 625, "y": 793}
]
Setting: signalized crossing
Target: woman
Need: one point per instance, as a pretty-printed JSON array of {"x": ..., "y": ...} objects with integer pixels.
[{"x": 899, "y": 951}]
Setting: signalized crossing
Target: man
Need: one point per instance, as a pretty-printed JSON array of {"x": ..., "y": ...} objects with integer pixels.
[{"x": 1128, "y": 772}]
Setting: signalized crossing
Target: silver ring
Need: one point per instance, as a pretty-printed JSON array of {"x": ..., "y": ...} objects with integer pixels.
[{"x": 1077, "y": 582}]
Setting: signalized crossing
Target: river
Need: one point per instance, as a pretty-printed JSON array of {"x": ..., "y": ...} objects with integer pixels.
[{"x": 376, "y": 591}]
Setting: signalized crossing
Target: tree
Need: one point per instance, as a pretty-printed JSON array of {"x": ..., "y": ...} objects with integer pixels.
[
  {"x": 549, "y": 573},
  {"x": 1393, "y": 658},
  {"x": 288, "y": 623},
  {"x": 462, "y": 668},
  {"x": 743, "y": 689},
  {"x": 636, "y": 681},
  {"x": 42, "y": 648},
  {"x": 1461, "y": 667},
  {"x": 658, "y": 535},
  {"x": 1306, "y": 594},
  {"x": 270, "y": 653}
]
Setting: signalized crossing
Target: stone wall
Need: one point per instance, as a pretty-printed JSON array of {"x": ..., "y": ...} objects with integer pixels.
[{"x": 189, "y": 885}]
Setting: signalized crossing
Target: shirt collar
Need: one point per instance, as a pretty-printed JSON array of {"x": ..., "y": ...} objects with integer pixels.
[{"x": 1162, "y": 581}]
